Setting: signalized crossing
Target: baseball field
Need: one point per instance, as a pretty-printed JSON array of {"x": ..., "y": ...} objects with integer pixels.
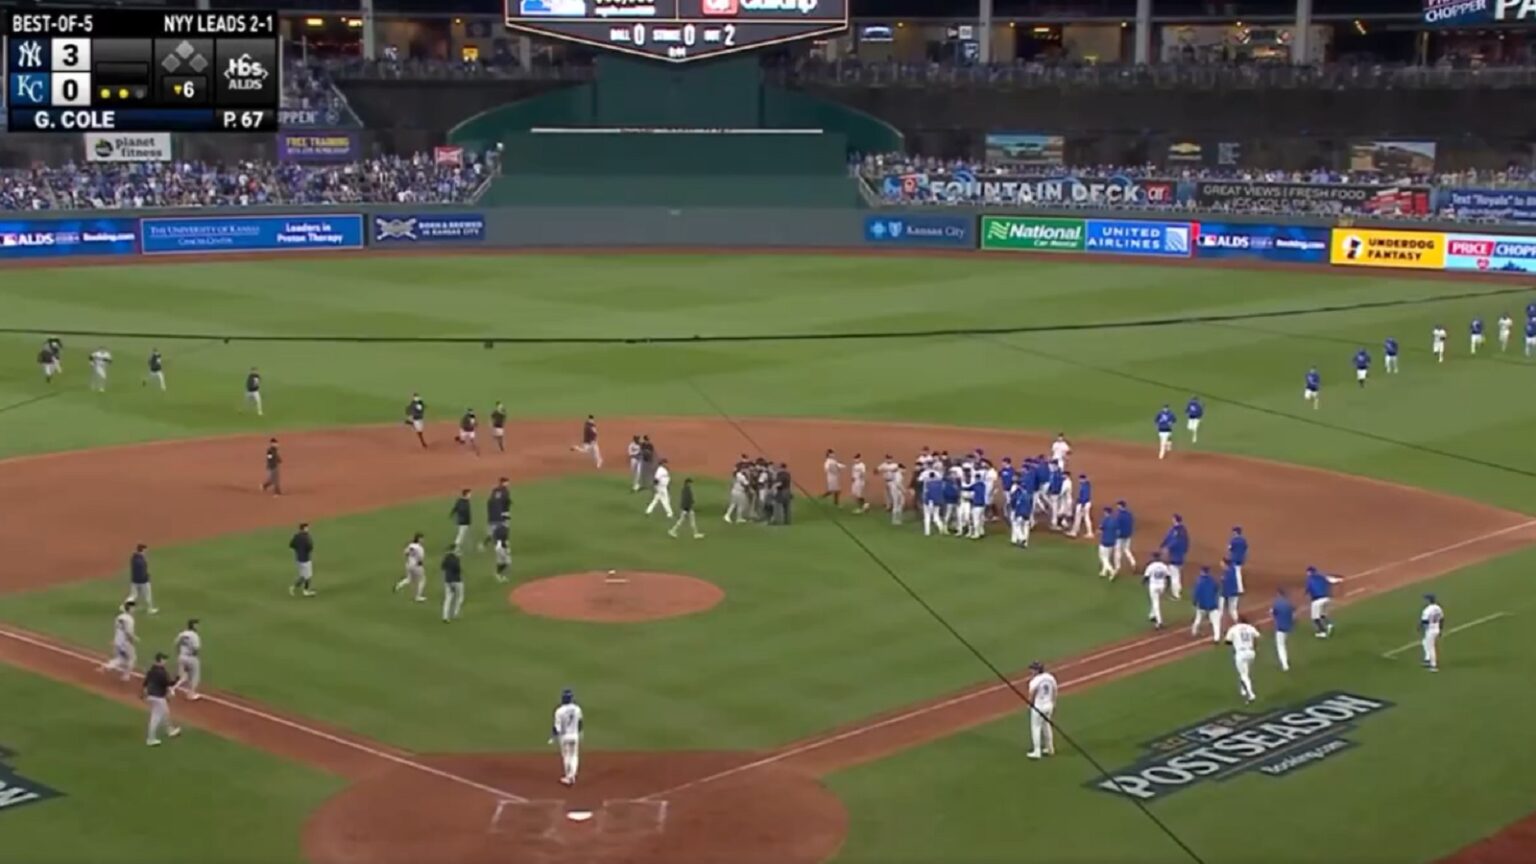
[{"x": 837, "y": 689}]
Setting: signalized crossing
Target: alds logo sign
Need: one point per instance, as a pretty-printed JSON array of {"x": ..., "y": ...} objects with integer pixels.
[
  {"x": 17, "y": 791},
  {"x": 1219, "y": 748}
]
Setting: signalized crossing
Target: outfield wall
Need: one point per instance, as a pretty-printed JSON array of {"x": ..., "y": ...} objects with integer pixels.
[{"x": 1469, "y": 249}]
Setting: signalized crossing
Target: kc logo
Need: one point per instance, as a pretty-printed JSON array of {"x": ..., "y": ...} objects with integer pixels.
[{"x": 29, "y": 89}]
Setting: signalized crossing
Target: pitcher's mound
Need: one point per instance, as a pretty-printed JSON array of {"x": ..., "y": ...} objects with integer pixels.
[{"x": 615, "y": 597}]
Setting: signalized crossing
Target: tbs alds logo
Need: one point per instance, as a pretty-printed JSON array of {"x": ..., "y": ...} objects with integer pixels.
[{"x": 721, "y": 7}]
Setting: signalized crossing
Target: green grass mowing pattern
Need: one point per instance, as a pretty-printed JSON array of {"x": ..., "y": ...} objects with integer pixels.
[
  {"x": 122, "y": 801},
  {"x": 1443, "y": 767},
  {"x": 811, "y": 635}
]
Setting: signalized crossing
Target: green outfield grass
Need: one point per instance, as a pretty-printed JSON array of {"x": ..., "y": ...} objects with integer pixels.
[
  {"x": 1449, "y": 762},
  {"x": 812, "y": 634},
  {"x": 123, "y": 801}
]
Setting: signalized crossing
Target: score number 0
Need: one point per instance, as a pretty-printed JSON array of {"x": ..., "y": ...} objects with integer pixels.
[{"x": 690, "y": 35}]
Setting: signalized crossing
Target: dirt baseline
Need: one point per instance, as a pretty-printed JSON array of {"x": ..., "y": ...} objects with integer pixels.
[
  {"x": 183, "y": 491},
  {"x": 616, "y": 596}
]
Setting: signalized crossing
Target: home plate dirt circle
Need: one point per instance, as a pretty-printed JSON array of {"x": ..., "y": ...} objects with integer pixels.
[{"x": 616, "y": 596}]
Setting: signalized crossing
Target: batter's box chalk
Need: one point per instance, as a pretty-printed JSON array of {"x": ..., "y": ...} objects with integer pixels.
[
  {"x": 632, "y": 818},
  {"x": 528, "y": 819}
]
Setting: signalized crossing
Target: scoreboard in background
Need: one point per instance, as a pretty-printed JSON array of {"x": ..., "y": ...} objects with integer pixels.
[
  {"x": 141, "y": 71},
  {"x": 678, "y": 30}
]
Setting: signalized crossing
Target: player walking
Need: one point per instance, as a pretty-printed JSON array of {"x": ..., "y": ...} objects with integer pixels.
[
  {"x": 1156, "y": 579},
  {"x": 1207, "y": 604},
  {"x": 1176, "y": 544},
  {"x": 1109, "y": 538},
  {"x": 685, "y": 512},
  {"x": 156, "y": 369},
  {"x": 1431, "y": 619},
  {"x": 589, "y": 441},
  {"x": 253, "y": 389},
  {"x": 189, "y": 663},
  {"x": 498, "y": 508},
  {"x": 1194, "y": 412},
  {"x": 1312, "y": 390},
  {"x": 48, "y": 359},
  {"x": 274, "y": 462},
  {"x": 303, "y": 547},
  {"x": 858, "y": 475},
  {"x": 1242, "y": 637},
  {"x": 158, "y": 686},
  {"x": 1284, "y": 616},
  {"x": 415, "y": 568},
  {"x": 416, "y": 417},
  {"x": 139, "y": 589},
  {"x": 1437, "y": 342},
  {"x": 661, "y": 494},
  {"x": 567, "y": 730},
  {"x": 1506, "y": 327},
  {"x": 501, "y": 544},
  {"x": 462, "y": 518},
  {"x": 125, "y": 642},
  {"x": 1125, "y": 526},
  {"x": 1530, "y": 336},
  {"x": 1362, "y": 366},
  {"x": 453, "y": 584},
  {"x": 1042, "y": 707},
  {"x": 100, "y": 359},
  {"x": 1475, "y": 329},
  {"x": 1060, "y": 450},
  {"x": 1231, "y": 588},
  {"x": 1389, "y": 352},
  {"x": 499, "y": 427}
]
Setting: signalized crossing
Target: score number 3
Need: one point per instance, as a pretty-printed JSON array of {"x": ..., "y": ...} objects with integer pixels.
[{"x": 71, "y": 85}]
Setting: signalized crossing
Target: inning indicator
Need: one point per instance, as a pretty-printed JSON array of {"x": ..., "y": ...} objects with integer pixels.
[{"x": 142, "y": 71}]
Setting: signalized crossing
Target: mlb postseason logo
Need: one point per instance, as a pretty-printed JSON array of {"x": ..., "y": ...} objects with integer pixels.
[
  {"x": 17, "y": 791},
  {"x": 1123, "y": 237},
  {"x": 1275, "y": 744},
  {"x": 904, "y": 230}
]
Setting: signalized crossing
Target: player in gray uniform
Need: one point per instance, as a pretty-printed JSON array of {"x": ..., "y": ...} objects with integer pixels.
[
  {"x": 501, "y": 541},
  {"x": 189, "y": 662},
  {"x": 303, "y": 547},
  {"x": 740, "y": 505}
]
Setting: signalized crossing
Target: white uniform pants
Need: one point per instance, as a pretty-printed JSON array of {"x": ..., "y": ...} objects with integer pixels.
[
  {"x": 1041, "y": 734},
  {"x": 1431, "y": 649},
  {"x": 570, "y": 756},
  {"x": 125, "y": 655},
  {"x": 1018, "y": 529},
  {"x": 453, "y": 600},
  {"x": 159, "y": 716},
  {"x": 1123, "y": 554},
  {"x": 1282, "y": 653},
  {"x": 1244, "y": 662},
  {"x": 142, "y": 594},
  {"x": 1211, "y": 615},
  {"x": 1107, "y": 561},
  {"x": 254, "y": 398},
  {"x": 1082, "y": 520},
  {"x": 933, "y": 518},
  {"x": 1176, "y": 580},
  {"x": 191, "y": 671},
  {"x": 1155, "y": 602},
  {"x": 662, "y": 498}
]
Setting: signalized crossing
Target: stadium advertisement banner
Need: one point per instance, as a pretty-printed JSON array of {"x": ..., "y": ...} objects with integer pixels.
[
  {"x": 1505, "y": 205},
  {"x": 1125, "y": 237},
  {"x": 1029, "y": 234},
  {"x": 1312, "y": 198},
  {"x": 1404, "y": 250},
  {"x": 127, "y": 146},
  {"x": 1296, "y": 244},
  {"x": 201, "y": 235},
  {"x": 1457, "y": 13},
  {"x": 952, "y": 231},
  {"x": 66, "y": 238},
  {"x": 317, "y": 146},
  {"x": 446, "y": 228},
  {"x": 1002, "y": 190},
  {"x": 1490, "y": 253}
]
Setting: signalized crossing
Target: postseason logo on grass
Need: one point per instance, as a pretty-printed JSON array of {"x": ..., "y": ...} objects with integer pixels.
[
  {"x": 1275, "y": 744},
  {"x": 17, "y": 791}
]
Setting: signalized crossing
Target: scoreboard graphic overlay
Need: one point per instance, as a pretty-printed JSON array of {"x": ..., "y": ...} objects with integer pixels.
[
  {"x": 678, "y": 30},
  {"x": 141, "y": 71}
]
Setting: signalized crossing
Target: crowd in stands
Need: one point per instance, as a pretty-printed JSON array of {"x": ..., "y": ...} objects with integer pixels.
[
  {"x": 417, "y": 179},
  {"x": 309, "y": 86},
  {"x": 877, "y": 166}
]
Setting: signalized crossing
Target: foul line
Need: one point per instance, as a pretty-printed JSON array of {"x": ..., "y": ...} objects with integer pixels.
[
  {"x": 290, "y": 724},
  {"x": 1467, "y": 626},
  {"x": 855, "y": 732}
]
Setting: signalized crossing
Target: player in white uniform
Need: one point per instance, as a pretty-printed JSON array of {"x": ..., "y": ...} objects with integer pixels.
[
  {"x": 1243, "y": 636},
  {"x": 189, "y": 663},
  {"x": 1437, "y": 343},
  {"x": 1042, "y": 702},
  {"x": 834, "y": 471},
  {"x": 661, "y": 482},
  {"x": 1506, "y": 327},
  {"x": 740, "y": 504},
  {"x": 858, "y": 474},
  {"x": 1156, "y": 577},
  {"x": 896, "y": 491},
  {"x": 1430, "y": 622},
  {"x": 125, "y": 642},
  {"x": 636, "y": 465},
  {"x": 100, "y": 359},
  {"x": 566, "y": 732},
  {"x": 1060, "y": 450},
  {"x": 1061, "y": 508},
  {"x": 415, "y": 568}
]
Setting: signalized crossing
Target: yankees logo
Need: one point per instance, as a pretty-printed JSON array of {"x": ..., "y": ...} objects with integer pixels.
[{"x": 29, "y": 55}]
